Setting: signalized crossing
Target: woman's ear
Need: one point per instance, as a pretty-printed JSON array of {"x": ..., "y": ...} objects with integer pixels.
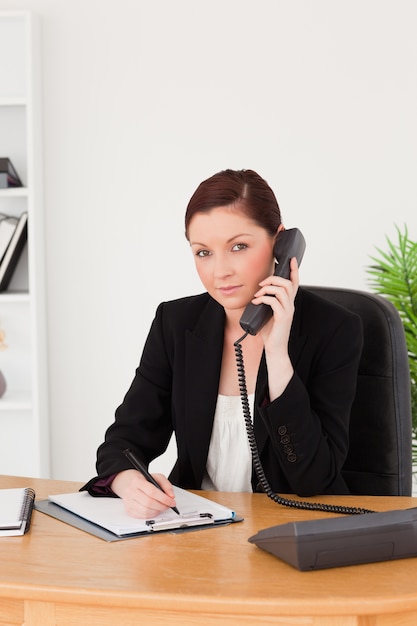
[{"x": 280, "y": 228}]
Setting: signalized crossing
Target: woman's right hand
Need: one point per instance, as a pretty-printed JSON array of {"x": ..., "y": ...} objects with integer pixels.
[{"x": 142, "y": 499}]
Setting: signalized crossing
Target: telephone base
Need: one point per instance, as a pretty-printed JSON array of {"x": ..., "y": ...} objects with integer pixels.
[{"x": 341, "y": 541}]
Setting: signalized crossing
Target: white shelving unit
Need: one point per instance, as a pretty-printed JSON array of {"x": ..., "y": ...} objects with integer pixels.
[{"x": 24, "y": 423}]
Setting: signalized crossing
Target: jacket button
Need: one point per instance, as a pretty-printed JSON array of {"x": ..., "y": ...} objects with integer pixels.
[
  {"x": 285, "y": 439},
  {"x": 292, "y": 457},
  {"x": 282, "y": 430},
  {"x": 288, "y": 448}
]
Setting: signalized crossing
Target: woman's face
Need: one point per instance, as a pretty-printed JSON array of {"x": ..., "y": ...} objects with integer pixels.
[{"x": 232, "y": 255}]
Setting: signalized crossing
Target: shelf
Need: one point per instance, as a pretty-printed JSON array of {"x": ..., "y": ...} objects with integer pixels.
[
  {"x": 24, "y": 406},
  {"x": 9, "y": 297},
  {"x": 12, "y": 102},
  {"x": 14, "y": 192},
  {"x": 13, "y": 400}
]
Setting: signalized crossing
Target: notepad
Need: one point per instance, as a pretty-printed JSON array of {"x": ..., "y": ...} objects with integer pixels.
[
  {"x": 16, "y": 506},
  {"x": 109, "y": 513}
]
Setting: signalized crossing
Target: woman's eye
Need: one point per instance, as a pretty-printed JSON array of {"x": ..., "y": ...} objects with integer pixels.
[
  {"x": 239, "y": 246},
  {"x": 203, "y": 253}
]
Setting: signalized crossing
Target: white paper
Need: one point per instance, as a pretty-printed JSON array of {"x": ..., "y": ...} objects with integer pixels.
[{"x": 109, "y": 512}]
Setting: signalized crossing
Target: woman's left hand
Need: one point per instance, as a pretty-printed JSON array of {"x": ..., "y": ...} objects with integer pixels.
[{"x": 278, "y": 293}]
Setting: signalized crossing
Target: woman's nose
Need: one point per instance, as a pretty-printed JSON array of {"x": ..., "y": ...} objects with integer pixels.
[{"x": 222, "y": 267}]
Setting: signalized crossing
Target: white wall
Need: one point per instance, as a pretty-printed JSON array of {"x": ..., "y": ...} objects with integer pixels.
[{"x": 142, "y": 100}]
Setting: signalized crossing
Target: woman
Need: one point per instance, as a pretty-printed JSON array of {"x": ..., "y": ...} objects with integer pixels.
[{"x": 300, "y": 368}]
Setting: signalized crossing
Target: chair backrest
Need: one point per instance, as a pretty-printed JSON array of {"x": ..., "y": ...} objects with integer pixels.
[{"x": 379, "y": 461}]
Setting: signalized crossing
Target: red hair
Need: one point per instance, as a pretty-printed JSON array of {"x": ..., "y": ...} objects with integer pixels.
[{"x": 243, "y": 189}]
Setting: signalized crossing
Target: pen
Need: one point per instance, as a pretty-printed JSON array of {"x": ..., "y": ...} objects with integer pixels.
[{"x": 137, "y": 464}]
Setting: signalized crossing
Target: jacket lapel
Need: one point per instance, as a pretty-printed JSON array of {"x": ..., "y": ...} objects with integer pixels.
[{"x": 204, "y": 347}]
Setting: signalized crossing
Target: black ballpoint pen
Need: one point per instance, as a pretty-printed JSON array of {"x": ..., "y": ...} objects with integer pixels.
[{"x": 137, "y": 464}]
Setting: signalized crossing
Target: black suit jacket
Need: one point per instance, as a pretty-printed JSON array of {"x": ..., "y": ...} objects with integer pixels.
[{"x": 302, "y": 436}]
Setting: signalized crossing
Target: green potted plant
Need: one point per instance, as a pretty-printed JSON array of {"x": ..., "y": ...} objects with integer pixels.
[{"x": 394, "y": 275}]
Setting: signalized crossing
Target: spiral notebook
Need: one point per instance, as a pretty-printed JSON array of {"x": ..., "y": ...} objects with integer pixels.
[{"x": 16, "y": 506}]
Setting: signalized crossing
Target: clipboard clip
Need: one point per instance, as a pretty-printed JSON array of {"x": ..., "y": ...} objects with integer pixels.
[{"x": 177, "y": 523}]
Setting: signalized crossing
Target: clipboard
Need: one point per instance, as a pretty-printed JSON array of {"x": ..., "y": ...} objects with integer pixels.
[{"x": 105, "y": 518}]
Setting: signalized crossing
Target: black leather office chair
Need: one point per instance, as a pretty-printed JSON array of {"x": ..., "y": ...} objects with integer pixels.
[{"x": 379, "y": 460}]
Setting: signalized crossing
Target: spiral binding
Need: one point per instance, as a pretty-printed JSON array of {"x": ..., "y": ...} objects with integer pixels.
[
  {"x": 298, "y": 504},
  {"x": 27, "y": 507}
]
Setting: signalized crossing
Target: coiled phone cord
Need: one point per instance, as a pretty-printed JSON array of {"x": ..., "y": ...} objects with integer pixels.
[{"x": 259, "y": 471}]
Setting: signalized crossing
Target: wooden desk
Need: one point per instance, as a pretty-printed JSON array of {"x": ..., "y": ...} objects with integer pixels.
[{"x": 59, "y": 575}]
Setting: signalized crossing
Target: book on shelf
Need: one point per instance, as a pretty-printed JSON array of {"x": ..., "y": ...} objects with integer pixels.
[
  {"x": 16, "y": 507},
  {"x": 7, "y": 227},
  {"x": 8, "y": 175},
  {"x": 13, "y": 251}
]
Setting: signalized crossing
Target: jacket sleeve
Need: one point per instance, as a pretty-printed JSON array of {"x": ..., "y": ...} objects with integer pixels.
[{"x": 308, "y": 425}]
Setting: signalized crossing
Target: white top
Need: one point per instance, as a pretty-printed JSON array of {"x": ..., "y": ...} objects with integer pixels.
[{"x": 229, "y": 461}]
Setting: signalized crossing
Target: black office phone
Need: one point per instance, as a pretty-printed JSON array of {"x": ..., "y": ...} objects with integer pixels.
[
  {"x": 289, "y": 243},
  {"x": 342, "y": 541}
]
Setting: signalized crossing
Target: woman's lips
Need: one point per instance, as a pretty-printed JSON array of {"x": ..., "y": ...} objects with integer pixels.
[{"x": 229, "y": 290}]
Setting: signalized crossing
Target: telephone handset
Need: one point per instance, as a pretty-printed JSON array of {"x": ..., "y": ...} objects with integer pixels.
[{"x": 289, "y": 243}]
